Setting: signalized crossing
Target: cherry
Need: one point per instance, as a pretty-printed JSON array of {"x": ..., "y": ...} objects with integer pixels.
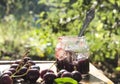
[
  {"x": 22, "y": 71},
  {"x": 33, "y": 75},
  {"x": 35, "y": 67},
  {"x": 5, "y": 79},
  {"x": 12, "y": 70},
  {"x": 18, "y": 62},
  {"x": 30, "y": 62},
  {"x": 76, "y": 75},
  {"x": 7, "y": 72},
  {"x": 15, "y": 66},
  {"x": 25, "y": 59},
  {"x": 61, "y": 72},
  {"x": 66, "y": 74},
  {"x": 49, "y": 78},
  {"x": 43, "y": 72}
]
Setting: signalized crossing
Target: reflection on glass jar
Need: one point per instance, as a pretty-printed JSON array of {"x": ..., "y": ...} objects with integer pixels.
[{"x": 72, "y": 53}]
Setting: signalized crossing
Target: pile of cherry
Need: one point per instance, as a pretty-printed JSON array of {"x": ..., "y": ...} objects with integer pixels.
[
  {"x": 20, "y": 71},
  {"x": 25, "y": 71}
]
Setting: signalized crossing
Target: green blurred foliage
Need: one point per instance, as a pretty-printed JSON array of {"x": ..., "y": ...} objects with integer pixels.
[
  {"x": 36, "y": 24},
  {"x": 66, "y": 17}
]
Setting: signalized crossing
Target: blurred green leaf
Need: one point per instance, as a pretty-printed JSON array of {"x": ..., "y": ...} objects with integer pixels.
[
  {"x": 118, "y": 2},
  {"x": 118, "y": 68},
  {"x": 65, "y": 1},
  {"x": 65, "y": 80},
  {"x": 112, "y": 1}
]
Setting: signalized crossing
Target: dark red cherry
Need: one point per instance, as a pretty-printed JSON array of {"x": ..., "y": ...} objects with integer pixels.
[
  {"x": 25, "y": 59},
  {"x": 77, "y": 75},
  {"x": 35, "y": 67},
  {"x": 7, "y": 72},
  {"x": 60, "y": 73},
  {"x": 49, "y": 77},
  {"x": 33, "y": 75},
  {"x": 6, "y": 79},
  {"x": 15, "y": 66},
  {"x": 12, "y": 70},
  {"x": 66, "y": 74},
  {"x": 43, "y": 72}
]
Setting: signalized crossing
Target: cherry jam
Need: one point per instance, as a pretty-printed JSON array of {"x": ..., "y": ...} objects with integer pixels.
[
  {"x": 83, "y": 66},
  {"x": 72, "y": 53}
]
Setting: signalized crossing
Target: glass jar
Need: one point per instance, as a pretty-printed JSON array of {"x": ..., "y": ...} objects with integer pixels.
[{"x": 72, "y": 53}]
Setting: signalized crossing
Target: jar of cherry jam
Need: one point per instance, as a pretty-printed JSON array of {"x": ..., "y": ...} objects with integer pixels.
[{"x": 72, "y": 53}]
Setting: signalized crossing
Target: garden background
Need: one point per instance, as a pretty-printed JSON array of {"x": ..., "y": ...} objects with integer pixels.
[{"x": 36, "y": 25}]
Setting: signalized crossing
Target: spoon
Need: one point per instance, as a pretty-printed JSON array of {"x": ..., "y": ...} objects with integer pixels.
[{"x": 89, "y": 17}]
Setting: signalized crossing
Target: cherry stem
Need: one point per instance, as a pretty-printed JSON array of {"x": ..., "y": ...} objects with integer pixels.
[
  {"x": 13, "y": 75},
  {"x": 52, "y": 65},
  {"x": 26, "y": 54},
  {"x": 18, "y": 69},
  {"x": 22, "y": 74}
]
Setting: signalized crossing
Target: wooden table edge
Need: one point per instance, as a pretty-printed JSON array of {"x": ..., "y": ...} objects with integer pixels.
[{"x": 98, "y": 74}]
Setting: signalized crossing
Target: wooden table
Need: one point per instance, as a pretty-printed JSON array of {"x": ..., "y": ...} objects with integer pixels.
[{"x": 95, "y": 76}]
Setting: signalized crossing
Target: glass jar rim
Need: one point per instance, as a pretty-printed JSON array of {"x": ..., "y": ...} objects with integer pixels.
[{"x": 68, "y": 37}]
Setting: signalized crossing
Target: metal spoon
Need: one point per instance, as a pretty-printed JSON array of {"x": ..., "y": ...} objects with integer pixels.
[{"x": 89, "y": 17}]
